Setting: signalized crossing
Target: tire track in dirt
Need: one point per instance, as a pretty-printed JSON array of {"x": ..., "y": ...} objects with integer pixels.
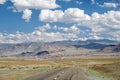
[{"x": 73, "y": 73}]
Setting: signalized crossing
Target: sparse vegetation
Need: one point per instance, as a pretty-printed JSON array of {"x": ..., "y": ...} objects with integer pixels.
[
  {"x": 111, "y": 70},
  {"x": 16, "y": 69}
]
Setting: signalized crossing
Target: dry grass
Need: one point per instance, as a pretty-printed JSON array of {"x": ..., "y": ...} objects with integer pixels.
[
  {"x": 16, "y": 69},
  {"x": 112, "y": 70}
]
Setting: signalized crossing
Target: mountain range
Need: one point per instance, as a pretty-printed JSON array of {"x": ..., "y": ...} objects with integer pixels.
[{"x": 61, "y": 48}]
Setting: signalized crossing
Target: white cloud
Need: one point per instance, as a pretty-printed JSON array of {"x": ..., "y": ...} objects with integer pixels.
[
  {"x": 34, "y": 4},
  {"x": 2, "y": 1},
  {"x": 74, "y": 15},
  {"x": 27, "y": 5},
  {"x": 51, "y": 16},
  {"x": 73, "y": 29},
  {"x": 44, "y": 28},
  {"x": 109, "y": 19},
  {"x": 109, "y": 5},
  {"x": 106, "y": 24},
  {"x": 40, "y": 34},
  {"x": 45, "y": 34},
  {"x": 27, "y": 15},
  {"x": 71, "y": 15}
]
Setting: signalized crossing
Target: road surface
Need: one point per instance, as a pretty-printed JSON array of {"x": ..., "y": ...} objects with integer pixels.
[{"x": 64, "y": 74}]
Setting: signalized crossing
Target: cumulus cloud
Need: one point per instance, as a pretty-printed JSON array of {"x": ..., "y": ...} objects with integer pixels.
[
  {"x": 45, "y": 34},
  {"x": 109, "y": 5},
  {"x": 73, "y": 29},
  {"x": 51, "y": 16},
  {"x": 34, "y": 4},
  {"x": 26, "y": 6},
  {"x": 41, "y": 34},
  {"x": 106, "y": 25},
  {"x": 109, "y": 20},
  {"x": 74, "y": 15},
  {"x": 71, "y": 15},
  {"x": 2, "y": 1},
  {"x": 44, "y": 28},
  {"x": 27, "y": 15},
  {"x": 103, "y": 24}
]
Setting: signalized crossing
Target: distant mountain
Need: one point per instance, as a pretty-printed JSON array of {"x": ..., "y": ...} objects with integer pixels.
[
  {"x": 116, "y": 48},
  {"x": 92, "y": 46},
  {"x": 33, "y": 48},
  {"x": 112, "y": 48},
  {"x": 62, "y": 48},
  {"x": 104, "y": 41}
]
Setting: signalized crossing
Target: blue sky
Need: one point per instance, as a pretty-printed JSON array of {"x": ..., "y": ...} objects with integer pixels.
[{"x": 54, "y": 20}]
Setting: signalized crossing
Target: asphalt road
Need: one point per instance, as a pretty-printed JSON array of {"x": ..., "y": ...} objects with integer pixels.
[{"x": 62, "y": 74}]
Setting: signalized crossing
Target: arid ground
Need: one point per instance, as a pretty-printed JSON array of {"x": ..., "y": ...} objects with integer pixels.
[{"x": 80, "y": 68}]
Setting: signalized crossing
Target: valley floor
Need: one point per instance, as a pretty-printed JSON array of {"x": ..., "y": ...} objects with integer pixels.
[{"x": 79, "y": 68}]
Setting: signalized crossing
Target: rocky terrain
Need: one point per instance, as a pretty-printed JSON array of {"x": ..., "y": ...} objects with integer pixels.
[
  {"x": 61, "y": 48},
  {"x": 112, "y": 48}
]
